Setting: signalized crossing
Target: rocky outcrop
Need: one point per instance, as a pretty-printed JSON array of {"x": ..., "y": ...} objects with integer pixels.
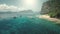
[
  {"x": 45, "y": 8},
  {"x": 51, "y": 7}
]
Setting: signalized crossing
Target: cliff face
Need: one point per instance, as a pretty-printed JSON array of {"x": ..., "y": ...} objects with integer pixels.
[
  {"x": 45, "y": 8},
  {"x": 51, "y": 7}
]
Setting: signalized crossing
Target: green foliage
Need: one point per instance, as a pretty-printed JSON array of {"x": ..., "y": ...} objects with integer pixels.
[{"x": 54, "y": 10}]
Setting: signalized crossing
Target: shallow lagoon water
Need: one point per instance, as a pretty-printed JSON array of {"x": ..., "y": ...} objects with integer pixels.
[{"x": 26, "y": 25}]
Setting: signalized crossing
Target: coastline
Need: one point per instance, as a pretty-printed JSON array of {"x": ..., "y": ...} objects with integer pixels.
[{"x": 49, "y": 18}]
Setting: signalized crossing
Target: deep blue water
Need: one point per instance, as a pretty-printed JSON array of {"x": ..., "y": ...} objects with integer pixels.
[{"x": 25, "y": 25}]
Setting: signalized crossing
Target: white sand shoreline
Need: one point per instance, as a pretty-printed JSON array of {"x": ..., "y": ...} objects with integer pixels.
[{"x": 48, "y": 18}]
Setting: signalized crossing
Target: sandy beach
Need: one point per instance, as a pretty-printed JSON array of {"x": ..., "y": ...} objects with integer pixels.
[{"x": 49, "y": 18}]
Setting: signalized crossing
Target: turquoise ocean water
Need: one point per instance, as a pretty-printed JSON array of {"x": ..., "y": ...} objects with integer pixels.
[{"x": 26, "y": 25}]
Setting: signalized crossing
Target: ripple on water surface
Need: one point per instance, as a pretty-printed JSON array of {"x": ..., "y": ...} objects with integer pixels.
[{"x": 25, "y": 25}]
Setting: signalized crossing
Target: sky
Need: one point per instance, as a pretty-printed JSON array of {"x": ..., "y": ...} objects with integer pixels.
[{"x": 19, "y": 5}]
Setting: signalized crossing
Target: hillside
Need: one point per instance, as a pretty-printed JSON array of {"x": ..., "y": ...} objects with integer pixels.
[{"x": 52, "y": 8}]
